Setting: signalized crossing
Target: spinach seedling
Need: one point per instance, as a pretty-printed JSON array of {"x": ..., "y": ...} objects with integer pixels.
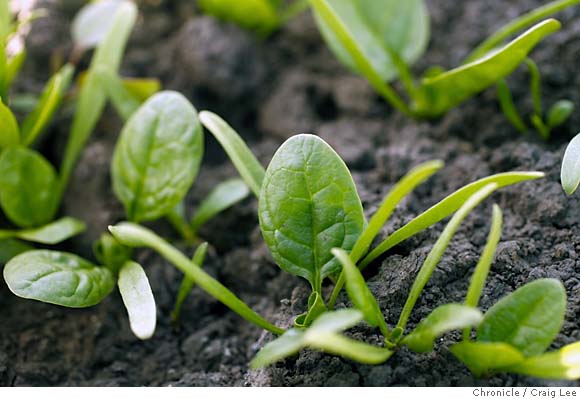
[
  {"x": 558, "y": 113},
  {"x": 260, "y": 16},
  {"x": 308, "y": 205},
  {"x": 154, "y": 165},
  {"x": 570, "y": 173},
  {"x": 381, "y": 39}
]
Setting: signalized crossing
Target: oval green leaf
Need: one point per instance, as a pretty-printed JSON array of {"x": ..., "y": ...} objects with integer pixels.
[
  {"x": 570, "y": 173},
  {"x": 59, "y": 278},
  {"x": 382, "y": 30},
  {"x": 528, "y": 319},
  {"x": 138, "y": 299},
  {"x": 443, "y": 319},
  {"x": 309, "y": 205},
  {"x": 157, "y": 157},
  {"x": 559, "y": 113},
  {"x": 260, "y": 16},
  {"x": 28, "y": 182},
  {"x": 451, "y": 88},
  {"x": 92, "y": 23},
  {"x": 482, "y": 357},
  {"x": 53, "y": 233}
]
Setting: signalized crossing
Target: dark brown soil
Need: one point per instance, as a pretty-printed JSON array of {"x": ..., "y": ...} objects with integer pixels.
[{"x": 270, "y": 90}]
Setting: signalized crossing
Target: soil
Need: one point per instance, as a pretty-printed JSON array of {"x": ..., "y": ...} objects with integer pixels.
[{"x": 269, "y": 90}]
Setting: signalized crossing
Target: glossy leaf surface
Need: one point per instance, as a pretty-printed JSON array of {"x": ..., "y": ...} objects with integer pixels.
[
  {"x": 59, "y": 278},
  {"x": 157, "y": 156},
  {"x": 570, "y": 173},
  {"x": 138, "y": 299},
  {"x": 308, "y": 206},
  {"x": 528, "y": 319}
]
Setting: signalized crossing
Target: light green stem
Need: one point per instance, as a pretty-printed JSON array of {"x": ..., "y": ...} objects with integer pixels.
[{"x": 134, "y": 235}]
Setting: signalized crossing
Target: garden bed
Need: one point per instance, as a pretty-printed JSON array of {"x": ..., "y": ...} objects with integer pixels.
[{"x": 269, "y": 90}]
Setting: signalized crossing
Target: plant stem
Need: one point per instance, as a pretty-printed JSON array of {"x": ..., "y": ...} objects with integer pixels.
[
  {"x": 187, "y": 283},
  {"x": 517, "y": 25},
  {"x": 134, "y": 235},
  {"x": 484, "y": 264},
  {"x": 535, "y": 86},
  {"x": 438, "y": 249}
]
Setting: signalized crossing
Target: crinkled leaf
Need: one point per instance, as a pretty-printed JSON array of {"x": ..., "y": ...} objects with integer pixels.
[
  {"x": 528, "y": 319},
  {"x": 482, "y": 357},
  {"x": 443, "y": 319},
  {"x": 358, "y": 291},
  {"x": 92, "y": 23},
  {"x": 451, "y": 88},
  {"x": 258, "y": 15},
  {"x": 138, "y": 299},
  {"x": 27, "y": 187},
  {"x": 570, "y": 173},
  {"x": 563, "y": 364},
  {"x": 37, "y": 121},
  {"x": 223, "y": 196},
  {"x": 59, "y": 278},
  {"x": 309, "y": 205},
  {"x": 9, "y": 130},
  {"x": 157, "y": 156},
  {"x": 249, "y": 168},
  {"x": 380, "y": 28}
]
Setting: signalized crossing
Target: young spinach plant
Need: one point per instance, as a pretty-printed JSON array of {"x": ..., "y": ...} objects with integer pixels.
[
  {"x": 154, "y": 164},
  {"x": 557, "y": 115},
  {"x": 381, "y": 40},
  {"x": 308, "y": 205}
]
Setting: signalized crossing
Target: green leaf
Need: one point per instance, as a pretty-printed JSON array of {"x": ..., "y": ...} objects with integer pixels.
[
  {"x": 444, "y": 208},
  {"x": 257, "y": 15},
  {"x": 138, "y": 299},
  {"x": 482, "y": 357},
  {"x": 443, "y": 319},
  {"x": 142, "y": 88},
  {"x": 308, "y": 206},
  {"x": 508, "y": 107},
  {"x": 439, "y": 248},
  {"x": 484, "y": 263},
  {"x": 27, "y": 187},
  {"x": 360, "y": 294},
  {"x": 290, "y": 343},
  {"x": 241, "y": 156},
  {"x": 9, "y": 130},
  {"x": 563, "y": 364},
  {"x": 559, "y": 113},
  {"x": 223, "y": 196},
  {"x": 14, "y": 65},
  {"x": 92, "y": 23},
  {"x": 92, "y": 97},
  {"x": 570, "y": 173},
  {"x": 157, "y": 156},
  {"x": 323, "y": 335},
  {"x": 451, "y": 88},
  {"x": 121, "y": 98},
  {"x": 49, "y": 102},
  {"x": 50, "y": 234},
  {"x": 59, "y": 278},
  {"x": 380, "y": 29},
  {"x": 9, "y": 248},
  {"x": 528, "y": 319}
]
